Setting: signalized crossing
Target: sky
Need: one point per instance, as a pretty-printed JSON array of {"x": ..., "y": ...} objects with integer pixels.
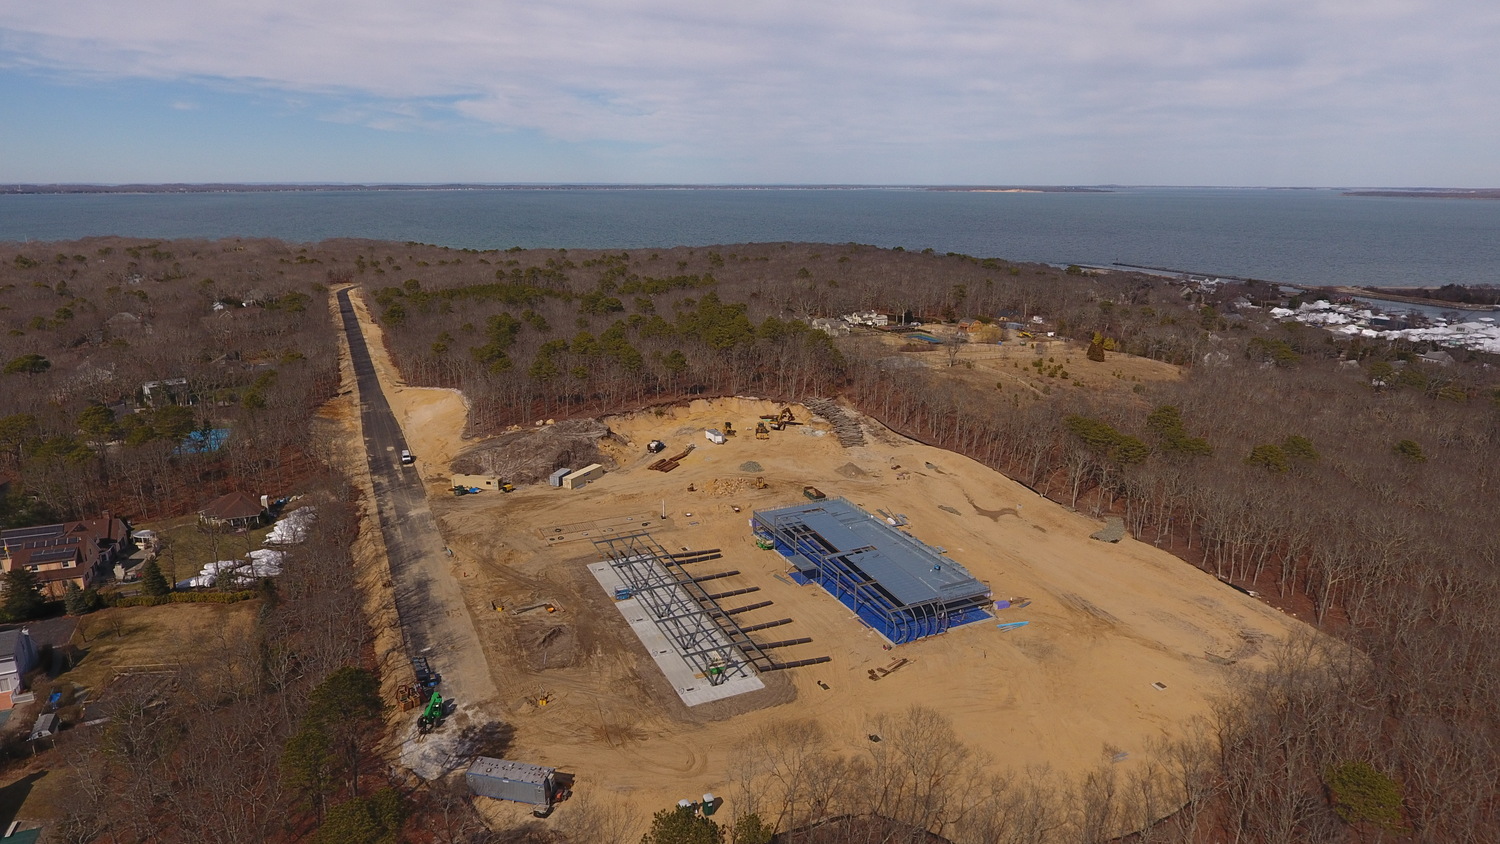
[{"x": 973, "y": 92}]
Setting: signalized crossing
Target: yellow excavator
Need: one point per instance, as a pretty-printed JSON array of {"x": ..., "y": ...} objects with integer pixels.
[{"x": 780, "y": 420}]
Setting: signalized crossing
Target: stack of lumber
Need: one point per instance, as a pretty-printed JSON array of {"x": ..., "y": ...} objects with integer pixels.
[{"x": 845, "y": 426}]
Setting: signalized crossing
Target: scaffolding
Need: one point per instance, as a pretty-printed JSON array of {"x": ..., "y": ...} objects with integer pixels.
[
  {"x": 903, "y": 588},
  {"x": 703, "y": 633}
]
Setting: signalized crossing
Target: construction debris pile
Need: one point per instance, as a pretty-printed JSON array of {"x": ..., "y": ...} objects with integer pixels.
[
  {"x": 529, "y": 456},
  {"x": 845, "y": 426},
  {"x": 725, "y": 487}
]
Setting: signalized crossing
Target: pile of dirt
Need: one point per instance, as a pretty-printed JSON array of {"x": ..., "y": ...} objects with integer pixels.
[
  {"x": 724, "y": 487},
  {"x": 851, "y": 471},
  {"x": 529, "y": 456},
  {"x": 550, "y": 646},
  {"x": 751, "y": 466}
]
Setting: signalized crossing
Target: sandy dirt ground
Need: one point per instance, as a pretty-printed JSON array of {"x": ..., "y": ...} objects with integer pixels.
[
  {"x": 1073, "y": 690},
  {"x": 1011, "y": 364}
]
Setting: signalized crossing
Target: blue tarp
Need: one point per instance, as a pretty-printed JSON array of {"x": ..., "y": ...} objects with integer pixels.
[{"x": 203, "y": 442}]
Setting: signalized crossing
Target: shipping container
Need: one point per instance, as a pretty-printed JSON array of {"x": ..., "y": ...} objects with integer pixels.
[{"x": 516, "y": 781}]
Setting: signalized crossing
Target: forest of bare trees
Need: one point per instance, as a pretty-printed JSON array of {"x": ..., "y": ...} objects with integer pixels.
[{"x": 1342, "y": 478}]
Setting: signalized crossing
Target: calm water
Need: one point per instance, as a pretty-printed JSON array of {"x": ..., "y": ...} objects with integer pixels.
[{"x": 1299, "y": 236}]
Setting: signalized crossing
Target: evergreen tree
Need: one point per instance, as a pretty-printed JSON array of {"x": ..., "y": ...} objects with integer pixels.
[
  {"x": 23, "y": 596},
  {"x": 152, "y": 581},
  {"x": 1096, "y": 347},
  {"x": 375, "y": 819},
  {"x": 750, "y": 829},
  {"x": 682, "y": 825},
  {"x": 75, "y": 602}
]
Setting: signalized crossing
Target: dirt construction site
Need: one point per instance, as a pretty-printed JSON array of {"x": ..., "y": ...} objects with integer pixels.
[{"x": 1123, "y": 643}]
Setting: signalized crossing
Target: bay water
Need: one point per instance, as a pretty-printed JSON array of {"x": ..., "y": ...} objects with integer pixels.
[{"x": 1314, "y": 237}]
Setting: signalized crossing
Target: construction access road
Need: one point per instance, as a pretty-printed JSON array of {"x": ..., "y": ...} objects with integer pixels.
[{"x": 433, "y": 619}]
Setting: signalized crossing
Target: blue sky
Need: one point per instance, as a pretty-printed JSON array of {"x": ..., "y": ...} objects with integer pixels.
[{"x": 1177, "y": 92}]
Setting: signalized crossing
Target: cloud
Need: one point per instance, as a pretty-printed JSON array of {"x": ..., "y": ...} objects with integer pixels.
[{"x": 772, "y": 81}]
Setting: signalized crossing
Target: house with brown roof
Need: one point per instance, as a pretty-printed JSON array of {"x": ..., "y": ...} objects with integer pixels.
[
  {"x": 70, "y": 552},
  {"x": 234, "y": 511}
]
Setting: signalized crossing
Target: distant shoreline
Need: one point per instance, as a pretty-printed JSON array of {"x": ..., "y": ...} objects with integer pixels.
[
  {"x": 230, "y": 187},
  {"x": 1431, "y": 193}
]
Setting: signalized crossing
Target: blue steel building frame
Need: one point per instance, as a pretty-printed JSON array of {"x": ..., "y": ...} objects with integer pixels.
[{"x": 840, "y": 573}]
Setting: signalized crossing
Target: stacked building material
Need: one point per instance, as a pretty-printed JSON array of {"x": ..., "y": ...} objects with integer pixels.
[{"x": 845, "y": 426}]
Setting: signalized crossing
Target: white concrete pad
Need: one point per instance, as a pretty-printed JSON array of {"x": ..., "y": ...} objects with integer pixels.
[{"x": 691, "y": 686}]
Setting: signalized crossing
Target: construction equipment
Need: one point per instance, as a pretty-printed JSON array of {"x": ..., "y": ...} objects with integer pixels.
[
  {"x": 655, "y": 447},
  {"x": 729, "y": 430},
  {"x": 432, "y": 715},
  {"x": 507, "y": 486},
  {"x": 460, "y": 490},
  {"x": 813, "y": 493},
  {"x": 760, "y": 483},
  {"x": 426, "y": 677},
  {"x": 761, "y": 432},
  {"x": 547, "y": 607}
]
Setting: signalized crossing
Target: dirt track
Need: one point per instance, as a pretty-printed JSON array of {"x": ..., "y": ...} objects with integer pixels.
[{"x": 1072, "y": 690}]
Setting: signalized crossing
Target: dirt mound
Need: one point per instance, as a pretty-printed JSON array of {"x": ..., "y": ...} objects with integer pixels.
[
  {"x": 723, "y": 487},
  {"x": 851, "y": 471},
  {"x": 751, "y": 466},
  {"x": 529, "y": 456},
  {"x": 550, "y": 646}
]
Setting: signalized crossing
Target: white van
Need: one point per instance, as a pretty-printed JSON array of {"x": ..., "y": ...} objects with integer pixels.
[{"x": 406, "y": 458}]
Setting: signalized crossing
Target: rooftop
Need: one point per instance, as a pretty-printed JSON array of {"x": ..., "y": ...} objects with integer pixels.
[
  {"x": 912, "y": 572},
  {"x": 486, "y": 766}
]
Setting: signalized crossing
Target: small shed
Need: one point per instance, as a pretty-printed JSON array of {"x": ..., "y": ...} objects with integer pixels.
[
  {"x": 46, "y": 726},
  {"x": 574, "y": 480},
  {"x": 235, "y": 510},
  {"x": 501, "y": 779},
  {"x": 556, "y": 478}
]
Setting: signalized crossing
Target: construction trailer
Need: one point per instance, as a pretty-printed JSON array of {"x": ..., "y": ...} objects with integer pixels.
[
  {"x": 574, "y": 480},
  {"x": 556, "y": 478},
  {"x": 518, "y": 782},
  {"x": 481, "y": 481},
  {"x": 715, "y": 436},
  {"x": 902, "y": 588}
]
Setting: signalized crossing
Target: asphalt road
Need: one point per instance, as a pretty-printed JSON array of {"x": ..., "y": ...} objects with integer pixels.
[{"x": 434, "y": 620}]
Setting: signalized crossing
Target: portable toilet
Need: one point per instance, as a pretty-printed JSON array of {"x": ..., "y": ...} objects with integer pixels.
[{"x": 555, "y": 479}]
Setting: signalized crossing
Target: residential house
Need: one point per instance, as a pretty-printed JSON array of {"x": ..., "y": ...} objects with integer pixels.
[
  {"x": 18, "y": 655},
  {"x": 167, "y": 392},
  {"x": 71, "y": 552},
  {"x": 234, "y": 511}
]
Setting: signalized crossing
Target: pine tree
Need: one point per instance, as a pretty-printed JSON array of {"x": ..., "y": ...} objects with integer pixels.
[
  {"x": 152, "y": 580},
  {"x": 682, "y": 825},
  {"x": 23, "y": 596},
  {"x": 74, "y": 601},
  {"x": 1096, "y": 347}
]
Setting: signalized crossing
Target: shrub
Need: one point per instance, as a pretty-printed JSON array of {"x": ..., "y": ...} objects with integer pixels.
[{"x": 1361, "y": 794}]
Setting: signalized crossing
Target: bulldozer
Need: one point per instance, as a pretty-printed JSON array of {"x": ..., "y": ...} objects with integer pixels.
[
  {"x": 761, "y": 432},
  {"x": 729, "y": 430}
]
